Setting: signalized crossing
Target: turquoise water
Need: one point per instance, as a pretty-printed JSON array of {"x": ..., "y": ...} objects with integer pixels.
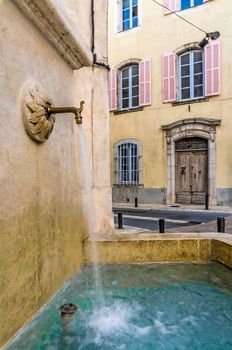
[{"x": 147, "y": 307}]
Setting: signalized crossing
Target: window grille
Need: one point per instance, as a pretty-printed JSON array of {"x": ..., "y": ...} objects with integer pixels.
[
  {"x": 127, "y": 163},
  {"x": 191, "y": 143}
]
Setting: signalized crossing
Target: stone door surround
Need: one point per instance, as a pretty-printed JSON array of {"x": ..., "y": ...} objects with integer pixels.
[{"x": 191, "y": 127}]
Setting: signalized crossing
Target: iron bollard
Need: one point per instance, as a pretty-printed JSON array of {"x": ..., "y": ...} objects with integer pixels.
[
  {"x": 136, "y": 202},
  {"x": 221, "y": 225},
  {"x": 206, "y": 201},
  {"x": 161, "y": 225},
  {"x": 120, "y": 223}
]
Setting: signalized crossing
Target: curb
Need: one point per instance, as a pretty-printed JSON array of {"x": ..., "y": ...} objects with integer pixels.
[{"x": 139, "y": 209}]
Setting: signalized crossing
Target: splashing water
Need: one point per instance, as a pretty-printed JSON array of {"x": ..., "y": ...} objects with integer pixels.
[
  {"x": 162, "y": 327},
  {"x": 116, "y": 321}
]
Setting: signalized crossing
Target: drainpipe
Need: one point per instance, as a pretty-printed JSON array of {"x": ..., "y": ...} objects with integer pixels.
[
  {"x": 95, "y": 61},
  {"x": 93, "y": 28}
]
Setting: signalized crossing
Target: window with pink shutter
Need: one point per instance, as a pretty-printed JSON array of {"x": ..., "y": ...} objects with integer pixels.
[
  {"x": 170, "y": 5},
  {"x": 113, "y": 90},
  {"x": 191, "y": 75},
  {"x": 145, "y": 82},
  {"x": 212, "y": 68},
  {"x": 129, "y": 87},
  {"x": 169, "y": 77}
]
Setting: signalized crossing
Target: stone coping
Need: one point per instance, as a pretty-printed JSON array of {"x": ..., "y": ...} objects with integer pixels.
[
  {"x": 51, "y": 18},
  {"x": 125, "y": 235},
  {"x": 154, "y": 248}
]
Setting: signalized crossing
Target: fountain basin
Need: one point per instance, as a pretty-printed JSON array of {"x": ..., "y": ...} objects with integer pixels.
[
  {"x": 183, "y": 304},
  {"x": 147, "y": 306}
]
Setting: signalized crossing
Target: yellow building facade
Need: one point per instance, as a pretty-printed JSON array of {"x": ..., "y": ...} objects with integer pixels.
[{"x": 170, "y": 101}]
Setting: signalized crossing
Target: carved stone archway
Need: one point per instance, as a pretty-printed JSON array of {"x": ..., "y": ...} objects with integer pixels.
[{"x": 191, "y": 127}]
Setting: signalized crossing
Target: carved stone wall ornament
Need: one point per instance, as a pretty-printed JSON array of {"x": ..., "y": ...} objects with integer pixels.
[{"x": 34, "y": 104}]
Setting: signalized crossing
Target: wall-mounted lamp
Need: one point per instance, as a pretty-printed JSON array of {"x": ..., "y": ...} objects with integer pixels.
[{"x": 208, "y": 37}]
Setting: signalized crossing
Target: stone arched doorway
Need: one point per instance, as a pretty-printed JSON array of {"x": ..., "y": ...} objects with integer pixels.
[{"x": 192, "y": 173}]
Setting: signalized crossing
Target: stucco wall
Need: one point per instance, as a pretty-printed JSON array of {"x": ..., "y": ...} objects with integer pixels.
[
  {"x": 150, "y": 41},
  {"x": 42, "y": 222}
]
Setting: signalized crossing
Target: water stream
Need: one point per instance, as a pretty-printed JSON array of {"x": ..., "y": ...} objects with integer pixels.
[{"x": 89, "y": 210}]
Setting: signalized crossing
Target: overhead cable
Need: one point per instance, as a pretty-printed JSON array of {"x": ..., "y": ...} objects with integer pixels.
[{"x": 176, "y": 14}]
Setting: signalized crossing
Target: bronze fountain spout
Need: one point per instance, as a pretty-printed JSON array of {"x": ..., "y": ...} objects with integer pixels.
[
  {"x": 58, "y": 110},
  {"x": 38, "y": 112}
]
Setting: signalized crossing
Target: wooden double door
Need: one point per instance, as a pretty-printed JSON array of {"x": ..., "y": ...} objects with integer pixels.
[{"x": 191, "y": 171}]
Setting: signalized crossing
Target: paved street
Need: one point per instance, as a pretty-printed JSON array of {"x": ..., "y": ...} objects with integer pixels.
[{"x": 175, "y": 220}]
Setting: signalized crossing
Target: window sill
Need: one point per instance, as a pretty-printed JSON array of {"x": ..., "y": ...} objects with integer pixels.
[
  {"x": 188, "y": 8},
  {"x": 191, "y": 7},
  {"x": 131, "y": 110},
  {"x": 127, "y": 31},
  {"x": 180, "y": 103}
]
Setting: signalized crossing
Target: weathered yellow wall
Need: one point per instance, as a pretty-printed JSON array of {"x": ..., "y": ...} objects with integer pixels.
[
  {"x": 158, "y": 34},
  {"x": 42, "y": 224},
  {"x": 139, "y": 250},
  {"x": 222, "y": 252}
]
